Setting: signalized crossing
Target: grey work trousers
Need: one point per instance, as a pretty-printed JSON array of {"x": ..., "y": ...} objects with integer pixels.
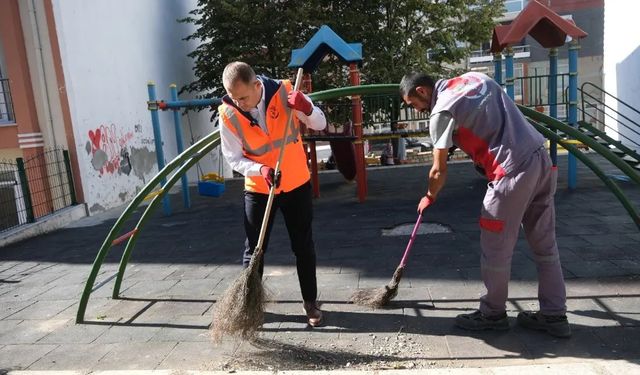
[{"x": 523, "y": 197}]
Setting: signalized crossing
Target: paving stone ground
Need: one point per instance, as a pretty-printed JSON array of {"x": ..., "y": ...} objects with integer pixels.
[{"x": 183, "y": 263}]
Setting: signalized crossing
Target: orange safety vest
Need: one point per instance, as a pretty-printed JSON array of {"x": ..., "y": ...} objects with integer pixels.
[{"x": 265, "y": 148}]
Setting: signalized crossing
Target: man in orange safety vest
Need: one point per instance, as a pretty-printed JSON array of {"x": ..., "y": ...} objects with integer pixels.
[{"x": 253, "y": 115}]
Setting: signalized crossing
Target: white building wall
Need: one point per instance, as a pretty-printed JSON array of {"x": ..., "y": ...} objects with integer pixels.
[
  {"x": 110, "y": 50},
  {"x": 622, "y": 65}
]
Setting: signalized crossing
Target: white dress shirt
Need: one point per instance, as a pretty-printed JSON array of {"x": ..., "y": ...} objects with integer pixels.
[{"x": 232, "y": 144}]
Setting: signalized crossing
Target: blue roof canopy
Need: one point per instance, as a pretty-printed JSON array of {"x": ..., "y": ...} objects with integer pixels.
[{"x": 324, "y": 41}]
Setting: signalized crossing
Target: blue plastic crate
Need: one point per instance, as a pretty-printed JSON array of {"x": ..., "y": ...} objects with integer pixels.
[{"x": 210, "y": 188}]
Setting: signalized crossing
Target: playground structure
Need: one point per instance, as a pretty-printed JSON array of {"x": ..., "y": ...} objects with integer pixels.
[
  {"x": 347, "y": 145},
  {"x": 175, "y": 105},
  {"x": 567, "y": 135},
  {"x": 551, "y": 31}
]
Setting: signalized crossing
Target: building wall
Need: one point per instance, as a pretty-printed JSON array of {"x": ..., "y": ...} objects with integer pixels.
[
  {"x": 10, "y": 154},
  {"x": 586, "y": 14},
  {"x": 41, "y": 70},
  {"x": 109, "y": 51},
  {"x": 16, "y": 68},
  {"x": 589, "y": 16},
  {"x": 588, "y": 19},
  {"x": 622, "y": 65},
  {"x": 560, "y": 6}
]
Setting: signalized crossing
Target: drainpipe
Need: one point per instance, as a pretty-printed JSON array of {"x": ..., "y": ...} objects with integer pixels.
[{"x": 38, "y": 39}]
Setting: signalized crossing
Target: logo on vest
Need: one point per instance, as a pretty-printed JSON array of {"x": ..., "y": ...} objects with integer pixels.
[
  {"x": 468, "y": 86},
  {"x": 274, "y": 113}
]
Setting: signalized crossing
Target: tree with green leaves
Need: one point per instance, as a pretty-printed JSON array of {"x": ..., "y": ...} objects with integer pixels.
[{"x": 397, "y": 36}]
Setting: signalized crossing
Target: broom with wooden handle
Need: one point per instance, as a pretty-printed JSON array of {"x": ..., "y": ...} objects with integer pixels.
[
  {"x": 240, "y": 311},
  {"x": 381, "y": 296}
]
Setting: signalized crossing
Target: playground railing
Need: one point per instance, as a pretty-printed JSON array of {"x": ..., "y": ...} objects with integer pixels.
[
  {"x": 595, "y": 111},
  {"x": 382, "y": 113},
  {"x": 533, "y": 91}
]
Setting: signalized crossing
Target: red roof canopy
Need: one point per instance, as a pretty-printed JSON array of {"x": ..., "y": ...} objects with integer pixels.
[{"x": 543, "y": 24}]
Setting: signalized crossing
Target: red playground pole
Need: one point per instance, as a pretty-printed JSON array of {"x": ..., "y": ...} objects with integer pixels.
[{"x": 356, "y": 111}]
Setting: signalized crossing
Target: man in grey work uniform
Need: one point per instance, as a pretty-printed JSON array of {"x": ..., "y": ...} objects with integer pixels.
[{"x": 473, "y": 112}]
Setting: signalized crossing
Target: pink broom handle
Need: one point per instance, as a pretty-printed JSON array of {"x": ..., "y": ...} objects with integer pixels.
[{"x": 403, "y": 262}]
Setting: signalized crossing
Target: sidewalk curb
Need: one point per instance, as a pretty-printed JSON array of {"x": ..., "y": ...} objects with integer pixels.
[
  {"x": 612, "y": 367},
  {"x": 45, "y": 224}
]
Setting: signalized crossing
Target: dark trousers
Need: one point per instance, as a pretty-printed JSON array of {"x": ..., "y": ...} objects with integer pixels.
[{"x": 296, "y": 207}]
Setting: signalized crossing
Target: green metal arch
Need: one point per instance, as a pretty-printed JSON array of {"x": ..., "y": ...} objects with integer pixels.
[
  {"x": 189, "y": 157},
  {"x": 156, "y": 200}
]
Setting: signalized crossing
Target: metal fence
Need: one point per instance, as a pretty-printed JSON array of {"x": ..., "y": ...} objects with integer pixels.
[
  {"x": 386, "y": 113},
  {"x": 34, "y": 187},
  {"x": 6, "y": 105},
  {"x": 533, "y": 91},
  {"x": 381, "y": 114}
]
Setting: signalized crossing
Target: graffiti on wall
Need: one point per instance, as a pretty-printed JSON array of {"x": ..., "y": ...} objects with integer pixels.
[
  {"x": 118, "y": 152},
  {"x": 109, "y": 150}
]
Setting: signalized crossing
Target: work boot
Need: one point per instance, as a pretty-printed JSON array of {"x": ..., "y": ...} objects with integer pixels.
[
  {"x": 477, "y": 321},
  {"x": 555, "y": 325},
  {"x": 314, "y": 315}
]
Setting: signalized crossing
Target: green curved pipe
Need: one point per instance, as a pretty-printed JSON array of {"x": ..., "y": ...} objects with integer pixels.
[
  {"x": 592, "y": 165},
  {"x": 355, "y": 90},
  {"x": 578, "y": 135},
  {"x": 133, "y": 205},
  {"x": 146, "y": 214}
]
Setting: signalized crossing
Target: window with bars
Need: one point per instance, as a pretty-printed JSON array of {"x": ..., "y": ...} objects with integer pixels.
[{"x": 6, "y": 105}]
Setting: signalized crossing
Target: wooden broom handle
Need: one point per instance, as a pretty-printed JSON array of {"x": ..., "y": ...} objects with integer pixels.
[{"x": 272, "y": 190}]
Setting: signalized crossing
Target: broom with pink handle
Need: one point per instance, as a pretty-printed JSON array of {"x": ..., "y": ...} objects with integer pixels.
[{"x": 381, "y": 296}]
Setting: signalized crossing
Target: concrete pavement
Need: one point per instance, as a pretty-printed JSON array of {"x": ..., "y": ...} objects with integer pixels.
[
  {"x": 184, "y": 262},
  {"x": 583, "y": 368}
]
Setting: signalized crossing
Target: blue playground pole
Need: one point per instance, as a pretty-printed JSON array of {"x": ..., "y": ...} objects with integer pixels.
[
  {"x": 497, "y": 67},
  {"x": 191, "y": 103},
  {"x": 553, "y": 98},
  {"x": 573, "y": 107},
  {"x": 178, "y": 127},
  {"x": 509, "y": 80},
  {"x": 157, "y": 136}
]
